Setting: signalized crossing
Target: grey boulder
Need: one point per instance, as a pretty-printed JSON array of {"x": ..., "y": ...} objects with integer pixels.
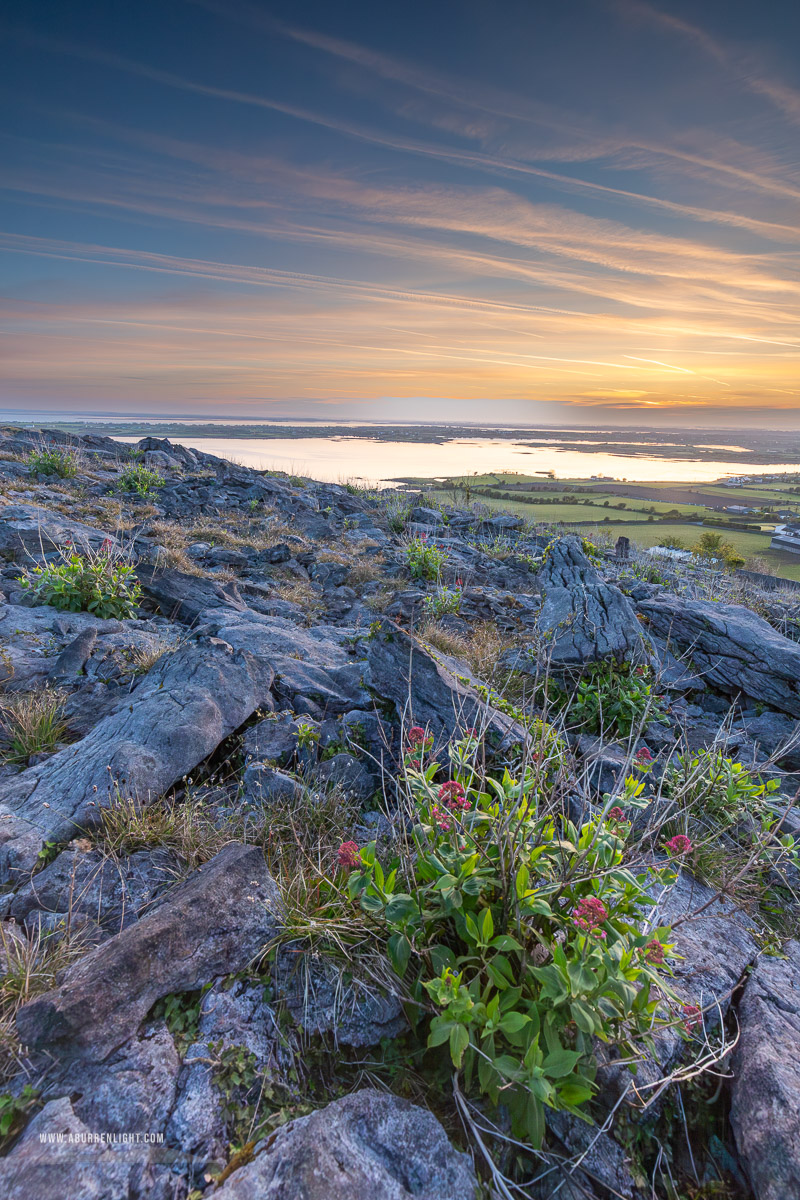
[
  {"x": 56, "y": 1157},
  {"x": 766, "y": 1086},
  {"x": 430, "y": 691},
  {"x": 582, "y": 618},
  {"x": 176, "y": 717},
  {"x": 732, "y": 648},
  {"x": 368, "y": 1145}
]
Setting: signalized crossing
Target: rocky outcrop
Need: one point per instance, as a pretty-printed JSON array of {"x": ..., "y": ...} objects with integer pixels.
[
  {"x": 82, "y": 882},
  {"x": 28, "y": 529},
  {"x": 766, "y": 1077},
  {"x": 582, "y": 618},
  {"x": 426, "y": 692},
  {"x": 370, "y": 1144},
  {"x": 182, "y": 597},
  {"x": 178, "y": 714},
  {"x": 211, "y": 925},
  {"x": 731, "y": 647}
]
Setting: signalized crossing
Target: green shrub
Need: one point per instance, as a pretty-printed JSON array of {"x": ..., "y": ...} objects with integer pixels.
[
  {"x": 14, "y": 1111},
  {"x": 46, "y": 461},
  {"x": 446, "y": 600},
  {"x": 734, "y": 821},
  {"x": 140, "y": 479},
  {"x": 424, "y": 559},
  {"x": 610, "y": 698},
  {"x": 95, "y": 581},
  {"x": 521, "y": 940}
]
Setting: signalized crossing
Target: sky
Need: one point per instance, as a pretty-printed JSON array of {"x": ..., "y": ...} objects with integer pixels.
[{"x": 580, "y": 213}]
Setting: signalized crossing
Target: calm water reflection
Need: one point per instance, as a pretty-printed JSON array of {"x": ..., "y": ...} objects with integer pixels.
[{"x": 338, "y": 459}]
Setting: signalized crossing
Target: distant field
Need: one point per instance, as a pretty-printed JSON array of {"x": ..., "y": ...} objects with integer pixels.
[{"x": 614, "y": 522}]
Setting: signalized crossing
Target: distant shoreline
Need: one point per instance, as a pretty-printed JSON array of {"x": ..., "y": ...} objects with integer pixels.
[{"x": 749, "y": 446}]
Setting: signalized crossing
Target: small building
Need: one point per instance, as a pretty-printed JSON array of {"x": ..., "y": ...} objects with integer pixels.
[
  {"x": 786, "y": 537},
  {"x": 670, "y": 552},
  {"x": 738, "y": 508}
]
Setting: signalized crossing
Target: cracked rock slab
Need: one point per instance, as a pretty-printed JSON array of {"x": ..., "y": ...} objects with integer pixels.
[
  {"x": 766, "y": 1087},
  {"x": 212, "y": 925},
  {"x": 176, "y": 717},
  {"x": 732, "y": 648}
]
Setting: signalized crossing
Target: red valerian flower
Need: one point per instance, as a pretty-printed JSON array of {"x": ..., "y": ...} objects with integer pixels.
[
  {"x": 654, "y": 952},
  {"x": 416, "y": 736},
  {"x": 616, "y": 814},
  {"x": 692, "y": 1017},
  {"x": 589, "y": 913},
  {"x": 644, "y": 755},
  {"x": 452, "y": 794},
  {"x": 680, "y": 844},
  {"x": 441, "y": 818},
  {"x": 349, "y": 855}
]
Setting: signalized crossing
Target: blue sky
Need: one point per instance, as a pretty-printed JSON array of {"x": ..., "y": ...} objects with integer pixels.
[{"x": 579, "y": 212}]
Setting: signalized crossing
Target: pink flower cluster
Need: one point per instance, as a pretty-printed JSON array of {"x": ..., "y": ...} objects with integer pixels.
[
  {"x": 680, "y": 844},
  {"x": 654, "y": 952},
  {"x": 589, "y": 914},
  {"x": 692, "y": 1017},
  {"x": 417, "y": 742},
  {"x": 349, "y": 856},
  {"x": 452, "y": 794},
  {"x": 441, "y": 818},
  {"x": 643, "y": 757},
  {"x": 616, "y": 814}
]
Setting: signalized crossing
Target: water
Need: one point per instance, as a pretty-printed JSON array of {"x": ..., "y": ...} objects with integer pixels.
[{"x": 339, "y": 459}]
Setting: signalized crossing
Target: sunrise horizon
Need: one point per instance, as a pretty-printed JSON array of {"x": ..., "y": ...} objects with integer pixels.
[{"x": 516, "y": 214}]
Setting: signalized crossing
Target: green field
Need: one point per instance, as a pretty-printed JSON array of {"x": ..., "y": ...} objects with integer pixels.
[{"x": 631, "y": 522}]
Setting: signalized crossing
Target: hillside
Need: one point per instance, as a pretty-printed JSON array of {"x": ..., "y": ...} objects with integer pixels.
[{"x": 353, "y": 846}]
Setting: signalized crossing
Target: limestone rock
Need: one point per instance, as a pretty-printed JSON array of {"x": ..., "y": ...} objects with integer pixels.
[
  {"x": 368, "y": 1145},
  {"x": 211, "y": 925}
]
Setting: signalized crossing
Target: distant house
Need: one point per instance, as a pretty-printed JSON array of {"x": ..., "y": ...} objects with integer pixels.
[
  {"x": 669, "y": 552},
  {"x": 738, "y": 508},
  {"x": 786, "y": 537}
]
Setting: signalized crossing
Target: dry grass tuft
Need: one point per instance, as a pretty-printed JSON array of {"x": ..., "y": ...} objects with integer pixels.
[
  {"x": 31, "y": 960},
  {"x": 33, "y": 723},
  {"x": 482, "y": 648}
]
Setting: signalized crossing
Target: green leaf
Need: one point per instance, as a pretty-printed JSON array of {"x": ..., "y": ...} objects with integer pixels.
[
  {"x": 399, "y": 950},
  {"x": 561, "y": 1063},
  {"x": 440, "y": 1031},
  {"x": 512, "y": 1022},
  {"x": 400, "y": 908},
  {"x": 459, "y": 1040},
  {"x": 584, "y": 1018}
]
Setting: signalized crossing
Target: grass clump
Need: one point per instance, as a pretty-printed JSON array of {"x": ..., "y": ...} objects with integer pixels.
[
  {"x": 31, "y": 961},
  {"x": 96, "y": 581},
  {"x": 732, "y": 819},
  {"x": 33, "y": 723},
  {"x": 50, "y": 462}
]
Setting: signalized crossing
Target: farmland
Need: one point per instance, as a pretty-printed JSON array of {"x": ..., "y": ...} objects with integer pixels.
[{"x": 648, "y": 514}]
